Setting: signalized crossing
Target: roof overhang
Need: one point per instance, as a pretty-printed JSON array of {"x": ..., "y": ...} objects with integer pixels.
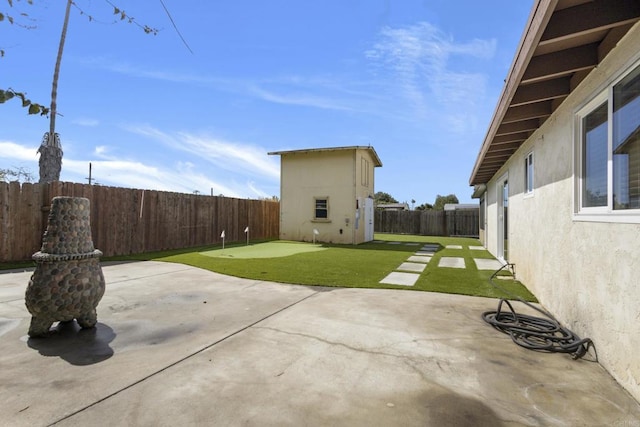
[
  {"x": 370, "y": 149},
  {"x": 563, "y": 41}
]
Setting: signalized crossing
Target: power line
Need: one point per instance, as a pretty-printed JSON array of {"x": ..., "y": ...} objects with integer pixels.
[{"x": 175, "y": 26}]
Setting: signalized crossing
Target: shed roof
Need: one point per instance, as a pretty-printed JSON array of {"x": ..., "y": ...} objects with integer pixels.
[
  {"x": 562, "y": 42},
  {"x": 370, "y": 149}
]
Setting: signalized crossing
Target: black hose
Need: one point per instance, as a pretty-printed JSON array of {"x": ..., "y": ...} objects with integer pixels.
[{"x": 534, "y": 333}]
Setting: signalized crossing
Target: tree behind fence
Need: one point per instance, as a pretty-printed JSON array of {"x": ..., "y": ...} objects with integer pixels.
[
  {"x": 428, "y": 223},
  {"x": 127, "y": 221}
]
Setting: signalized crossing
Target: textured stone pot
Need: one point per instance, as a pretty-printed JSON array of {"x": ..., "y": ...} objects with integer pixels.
[{"x": 68, "y": 282}]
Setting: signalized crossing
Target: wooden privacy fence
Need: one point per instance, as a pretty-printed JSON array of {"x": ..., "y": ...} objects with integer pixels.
[
  {"x": 128, "y": 221},
  {"x": 429, "y": 223}
]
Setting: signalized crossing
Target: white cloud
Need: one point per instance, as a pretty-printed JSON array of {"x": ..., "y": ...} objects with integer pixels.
[
  {"x": 184, "y": 177},
  {"x": 289, "y": 97},
  {"x": 230, "y": 156},
  {"x": 421, "y": 59},
  {"x": 13, "y": 151},
  {"x": 315, "y": 92},
  {"x": 257, "y": 191},
  {"x": 84, "y": 121},
  {"x": 101, "y": 150},
  {"x": 135, "y": 174},
  {"x": 130, "y": 70}
]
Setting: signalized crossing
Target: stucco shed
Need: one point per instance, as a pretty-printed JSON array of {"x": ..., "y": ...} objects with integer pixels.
[{"x": 326, "y": 194}]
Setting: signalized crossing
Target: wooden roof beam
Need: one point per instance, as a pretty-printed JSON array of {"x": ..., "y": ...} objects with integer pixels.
[
  {"x": 528, "y": 111},
  {"x": 508, "y": 139},
  {"x": 517, "y": 127},
  {"x": 502, "y": 148},
  {"x": 590, "y": 17},
  {"x": 561, "y": 63},
  {"x": 543, "y": 91},
  {"x": 491, "y": 163}
]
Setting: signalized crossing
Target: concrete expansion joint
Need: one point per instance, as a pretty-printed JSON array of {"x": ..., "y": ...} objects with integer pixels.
[
  {"x": 183, "y": 359},
  {"x": 128, "y": 279},
  {"x": 12, "y": 300}
]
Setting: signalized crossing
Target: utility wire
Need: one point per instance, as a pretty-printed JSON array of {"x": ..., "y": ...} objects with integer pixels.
[{"x": 175, "y": 26}]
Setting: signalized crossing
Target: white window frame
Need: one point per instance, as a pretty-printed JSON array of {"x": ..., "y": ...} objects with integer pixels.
[
  {"x": 599, "y": 213},
  {"x": 584, "y": 112},
  {"x": 315, "y": 206},
  {"x": 529, "y": 172}
]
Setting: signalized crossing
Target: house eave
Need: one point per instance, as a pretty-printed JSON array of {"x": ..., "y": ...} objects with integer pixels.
[{"x": 563, "y": 41}]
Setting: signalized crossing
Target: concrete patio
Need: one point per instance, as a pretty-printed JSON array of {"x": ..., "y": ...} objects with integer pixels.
[{"x": 176, "y": 345}]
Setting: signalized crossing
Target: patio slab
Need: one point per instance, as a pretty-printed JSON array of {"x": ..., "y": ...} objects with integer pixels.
[
  {"x": 419, "y": 258},
  {"x": 454, "y": 246},
  {"x": 177, "y": 345},
  {"x": 412, "y": 266},
  {"x": 451, "y": 262},
  {"x": 401, "y": 279},
  {"x": 477, "y": 248},
  {"x": 430, "y": 248},
  {"x": 487, "y": 264},
  {"x": 425, "y": 253}
]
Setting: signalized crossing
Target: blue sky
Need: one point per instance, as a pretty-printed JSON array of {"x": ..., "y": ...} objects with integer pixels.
[{"x": 416, "y": 79}]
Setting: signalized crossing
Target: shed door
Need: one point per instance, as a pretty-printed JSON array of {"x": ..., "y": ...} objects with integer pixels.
[{"x": 368, "y": 219}]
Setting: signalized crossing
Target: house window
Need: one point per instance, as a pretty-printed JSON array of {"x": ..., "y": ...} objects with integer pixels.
[
  {"x": 609, "y": 150},
  {"x": 528, "y": 173},
  {"x": 321, "y": 208},
  {"x": 626, "y": 142},
  {"x": 594, "y": 157}
]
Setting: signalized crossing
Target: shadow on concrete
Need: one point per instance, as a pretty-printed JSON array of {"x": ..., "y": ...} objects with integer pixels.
[
  {"x": 76, "y": 345},
  {"x": 453, "y": 409}
]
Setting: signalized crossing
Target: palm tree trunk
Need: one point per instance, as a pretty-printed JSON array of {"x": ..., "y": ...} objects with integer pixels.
[{"x": 50, "y": 150}]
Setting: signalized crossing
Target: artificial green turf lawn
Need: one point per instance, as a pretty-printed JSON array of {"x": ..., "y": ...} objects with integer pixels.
[
  {"x": 361, "y": 266},
  {"x": 275, "y": 249}
]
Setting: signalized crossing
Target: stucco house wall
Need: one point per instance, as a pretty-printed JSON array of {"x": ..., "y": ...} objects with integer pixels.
[
  {"x": 586, "y": 272},
  {"x": 342, "y": 175}
]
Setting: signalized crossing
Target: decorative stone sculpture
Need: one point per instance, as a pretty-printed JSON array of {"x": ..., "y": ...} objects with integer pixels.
[{"x": 68, "y": 282}]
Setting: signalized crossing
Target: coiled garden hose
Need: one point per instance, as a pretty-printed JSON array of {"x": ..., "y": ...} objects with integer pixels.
[{"x": 535, "y": 333}]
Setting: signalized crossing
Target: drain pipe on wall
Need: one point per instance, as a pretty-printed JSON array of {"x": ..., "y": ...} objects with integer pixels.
[{"x": 534, "y": 333}]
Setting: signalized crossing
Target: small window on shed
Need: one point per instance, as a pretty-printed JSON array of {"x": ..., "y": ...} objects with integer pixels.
[
  {"x": 364, "y": 172},
  {"x": 321, "y": 208}
]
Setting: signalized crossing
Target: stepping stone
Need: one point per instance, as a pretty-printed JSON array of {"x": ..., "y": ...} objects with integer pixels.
[
  {"x": 453, "y": 247},
  {"x": 451, "y": 262},
  {"x": 419, "y": 258},
  {"x": 487, "y": 264},
  {"x": 402, "y": 279},
  {"x": 477, "y": 248},
  {"x": 412, "y": 244},
  {"x": 379, "y": 241},
  {"x": 393, "y": 243},
  {"x": 431, "y": 248},
  {"x": 412, "y": 266},
  {"x": 424, "y": 253}
]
